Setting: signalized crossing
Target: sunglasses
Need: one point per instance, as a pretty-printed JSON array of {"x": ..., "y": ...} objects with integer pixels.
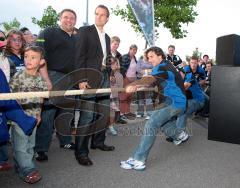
[{"x": 2, "y": 39}]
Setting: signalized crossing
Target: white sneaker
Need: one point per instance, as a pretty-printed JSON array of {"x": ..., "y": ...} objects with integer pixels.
[
  {"x": 132, "y": 164},
  {"x": 112, "y": 130},
  {"x": 147, "y": 117},
  {"x": 182, "y": 137}
]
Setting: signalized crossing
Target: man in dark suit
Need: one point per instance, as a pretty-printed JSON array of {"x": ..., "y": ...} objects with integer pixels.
[{"x": 93, "y": 47}]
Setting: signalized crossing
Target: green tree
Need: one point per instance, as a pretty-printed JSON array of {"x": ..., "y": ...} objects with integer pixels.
[
  {"x": 49, "y": 18},
  {"x": 195, "y": 53},
  {"x": 14, "y": 24},
  {"x": 171, "y": 14}
]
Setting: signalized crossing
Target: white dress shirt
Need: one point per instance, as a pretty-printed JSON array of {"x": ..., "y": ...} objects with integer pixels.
[{"x": 102, "y": 38}]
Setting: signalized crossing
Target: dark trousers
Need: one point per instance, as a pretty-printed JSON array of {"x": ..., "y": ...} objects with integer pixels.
[
  {"x": 50, "y": 110},
  {"x": 93, "y": 121}
]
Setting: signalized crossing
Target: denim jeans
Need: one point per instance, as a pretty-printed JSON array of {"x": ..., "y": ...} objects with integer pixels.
[
  {"x": 45, "y": 130},
  {"x": 159, "y": 119},
  {"x": 23, "y": 150},
  {"x": 144, "y": 99},
  {"x": 3, "y": 153},
  {"x": 193, "y": 106}
]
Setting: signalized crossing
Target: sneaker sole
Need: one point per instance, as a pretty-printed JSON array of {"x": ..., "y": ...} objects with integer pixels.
[
  {"x": 130, "y": 167},
  {"x": 182, "y": 141},
  {"x": 141, "y": 169}
]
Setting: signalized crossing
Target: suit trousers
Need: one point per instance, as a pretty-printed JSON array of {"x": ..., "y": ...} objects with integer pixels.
[{"x": 93, "y": 122}]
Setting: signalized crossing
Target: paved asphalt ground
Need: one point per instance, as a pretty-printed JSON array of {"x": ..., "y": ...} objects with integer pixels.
[{"x": 198, "y": 163}]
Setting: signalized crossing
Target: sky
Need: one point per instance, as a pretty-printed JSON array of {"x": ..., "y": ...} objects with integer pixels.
[{"x": 215, "y": 18}]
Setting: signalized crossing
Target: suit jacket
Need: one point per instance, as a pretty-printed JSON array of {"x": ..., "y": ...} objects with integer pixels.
[{"x": 89, "y": 52}]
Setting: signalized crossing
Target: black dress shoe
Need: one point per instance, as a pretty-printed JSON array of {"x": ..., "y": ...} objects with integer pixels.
[
  {"x": 103, "y": 147},
  {"x": 169, "y": 139},
  {"x": 84, "y": 160},
  {"x": 41, "y": 156}
]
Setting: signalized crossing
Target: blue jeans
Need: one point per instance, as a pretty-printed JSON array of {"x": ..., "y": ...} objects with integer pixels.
[
  {"x": 45, "y": 130},
  {"x": 3, "y": 153},
  {"x": 193, "y": 106},
  {"x": 23, "y": 150},
  {"x": 144, "y": 99},
  {"x": 159, "y": 119}
]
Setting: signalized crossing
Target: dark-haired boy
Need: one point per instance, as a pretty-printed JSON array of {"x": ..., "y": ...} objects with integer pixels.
[{"x": 25, "y": 81}]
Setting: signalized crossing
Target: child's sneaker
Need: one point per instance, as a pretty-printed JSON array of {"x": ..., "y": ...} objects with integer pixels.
[
  {"x": 112, "y": 130},
  {"x": 132, "y": 164},
  {"x": 147, "y": 117},
  {"x": 183, "y": 137},
  {"x": 139, "y": 116}
]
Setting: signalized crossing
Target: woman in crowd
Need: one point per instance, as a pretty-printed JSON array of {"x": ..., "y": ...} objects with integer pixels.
[{"x": 14, "y": 51}]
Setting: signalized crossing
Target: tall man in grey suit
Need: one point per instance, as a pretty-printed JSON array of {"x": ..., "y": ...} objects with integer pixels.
[{"x": 92, "y": 49}]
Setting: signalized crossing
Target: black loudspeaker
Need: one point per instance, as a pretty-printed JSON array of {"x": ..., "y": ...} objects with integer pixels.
[
  {"x": 228, "y": 50},
  {"x": 224, "y": 120}
]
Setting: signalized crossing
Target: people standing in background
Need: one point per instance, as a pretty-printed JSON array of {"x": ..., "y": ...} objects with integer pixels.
[
  {"x": 208, "y": 71},
  {"x": 14, "y": 51},
  {"x": 204, "y": 61},
  {"x": 144, "y": 100},
  {"x": 28, "y": 36},
  {"x": 129, "y": 72},
  {"x": 171, "y": 57},
  {"x": 116, "y": 81},
  {"x": 115, "y": 41}
]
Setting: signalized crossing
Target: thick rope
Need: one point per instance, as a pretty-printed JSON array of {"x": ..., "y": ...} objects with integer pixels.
[{"x": 47, "y": 94}]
